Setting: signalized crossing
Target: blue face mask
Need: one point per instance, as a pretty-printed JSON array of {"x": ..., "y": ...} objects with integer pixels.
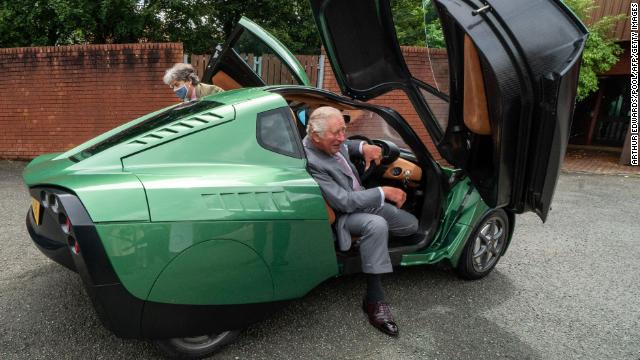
[{"x": 181, "y": 92}]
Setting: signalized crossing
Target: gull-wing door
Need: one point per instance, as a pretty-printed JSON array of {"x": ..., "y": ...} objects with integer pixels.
[
  {"x": 513, "y": 68},
  {"x": 253, "y": 57}
]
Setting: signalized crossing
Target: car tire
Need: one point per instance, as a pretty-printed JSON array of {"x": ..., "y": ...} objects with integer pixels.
[
  {"x": 485, "y": 246},
  {"x": 195, "y": 347}
]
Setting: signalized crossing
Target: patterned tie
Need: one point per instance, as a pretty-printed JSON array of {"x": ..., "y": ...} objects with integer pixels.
[{"x": 355, "y": 184}]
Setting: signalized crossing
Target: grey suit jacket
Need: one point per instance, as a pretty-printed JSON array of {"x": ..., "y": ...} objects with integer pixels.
[{"x": 336, "y": 187}]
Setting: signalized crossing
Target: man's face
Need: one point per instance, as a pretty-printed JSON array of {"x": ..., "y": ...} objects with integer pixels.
[{"x": 332, "y": 137}]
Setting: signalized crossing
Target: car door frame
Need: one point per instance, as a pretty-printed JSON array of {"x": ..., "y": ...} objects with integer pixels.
[{"x": 226, "y": 59}]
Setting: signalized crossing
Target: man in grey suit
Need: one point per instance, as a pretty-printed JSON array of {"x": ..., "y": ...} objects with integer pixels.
[{"x": 359, "y": 211}]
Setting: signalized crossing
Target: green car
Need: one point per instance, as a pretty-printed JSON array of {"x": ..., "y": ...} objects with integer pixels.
[{"x": 190, "y": 223}]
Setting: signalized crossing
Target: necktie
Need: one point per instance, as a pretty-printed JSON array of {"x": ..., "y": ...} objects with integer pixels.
[{"x": 355, "y": 184}]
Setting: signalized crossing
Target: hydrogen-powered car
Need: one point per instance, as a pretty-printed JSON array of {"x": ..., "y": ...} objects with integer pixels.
[{"x": 190, "y": 223}]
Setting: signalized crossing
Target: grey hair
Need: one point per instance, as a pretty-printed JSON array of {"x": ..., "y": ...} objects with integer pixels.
[
  {"x": 318, "y": 119},
  {"x": 181, "y": 72}
]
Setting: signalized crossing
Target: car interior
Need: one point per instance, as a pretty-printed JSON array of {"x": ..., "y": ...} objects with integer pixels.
[{"x": 405, "y": 164}]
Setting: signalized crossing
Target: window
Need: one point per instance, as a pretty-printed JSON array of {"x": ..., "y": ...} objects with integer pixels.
[
  {"x": 373, "y": 126},
  {"x": 438, "y": 105},
  {"x": 263, "y": 61},
  {"x": 428, "y": 63},
  {"x": 275, "y": 132}
]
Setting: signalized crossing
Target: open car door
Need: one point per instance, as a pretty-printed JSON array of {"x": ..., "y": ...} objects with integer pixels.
[
  {"x": 253, "y": 57},
  {"x": 513, "y": 65}
]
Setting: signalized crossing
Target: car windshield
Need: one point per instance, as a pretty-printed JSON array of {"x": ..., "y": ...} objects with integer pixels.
[{"x": 161, "y": 119}]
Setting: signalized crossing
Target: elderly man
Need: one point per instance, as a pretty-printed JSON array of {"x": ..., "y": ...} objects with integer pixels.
[{"x": 362, "y": 212}]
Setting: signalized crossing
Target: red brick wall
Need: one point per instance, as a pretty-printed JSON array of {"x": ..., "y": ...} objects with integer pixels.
[
  {"x": 54, "y": 98},
  {"x": 417, "y": 58}
]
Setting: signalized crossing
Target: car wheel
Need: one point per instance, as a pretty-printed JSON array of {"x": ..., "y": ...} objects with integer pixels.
[
  {"x": 195, "y": 347},
  {"x": 485, "y": 246}
]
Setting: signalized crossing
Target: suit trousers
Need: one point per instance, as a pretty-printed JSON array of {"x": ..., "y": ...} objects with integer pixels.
[{"x": 374, "y": 227}]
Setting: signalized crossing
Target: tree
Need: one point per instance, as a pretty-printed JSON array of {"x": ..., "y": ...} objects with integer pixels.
[
  {"x": 600, "y": 52},
  {"x": 200, "y": 24},
  {"x": 417, "y": 23},
  {"x": 62, "y": 22}
]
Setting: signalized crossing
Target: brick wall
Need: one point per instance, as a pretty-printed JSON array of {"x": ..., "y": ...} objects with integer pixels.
[
  {"x": 54, "y": 98},
  {"x": 417, "y": 59}
]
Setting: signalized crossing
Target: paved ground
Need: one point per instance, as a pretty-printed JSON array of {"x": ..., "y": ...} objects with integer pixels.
[
  {"x": 593, "y": 160},
  {"x": 568, "y": 289}
]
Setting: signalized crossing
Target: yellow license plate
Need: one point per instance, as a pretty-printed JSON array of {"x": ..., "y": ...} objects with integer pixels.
[{"x": 35, "y": 208}]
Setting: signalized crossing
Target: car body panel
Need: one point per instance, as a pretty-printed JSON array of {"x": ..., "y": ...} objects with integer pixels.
[
  {"x": 270, "y": 258},
  {"x": 139, "y": 253},
  {"x": 233, "y": 192},
  {"x": 529, "y": 73},
  {"x": 107, "y": 194},
  {"x": 463, "y": 208},
  {"x": 214, "y": 272}
]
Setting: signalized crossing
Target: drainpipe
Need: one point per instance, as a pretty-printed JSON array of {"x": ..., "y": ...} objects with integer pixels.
[{"x": 320, "y": 72}]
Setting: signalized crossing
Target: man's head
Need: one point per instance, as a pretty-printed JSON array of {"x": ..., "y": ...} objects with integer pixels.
[{"x": 326, "y": 129}]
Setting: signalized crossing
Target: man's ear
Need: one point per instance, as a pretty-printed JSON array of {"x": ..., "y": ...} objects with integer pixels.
[{"x": 315, "y": 137}]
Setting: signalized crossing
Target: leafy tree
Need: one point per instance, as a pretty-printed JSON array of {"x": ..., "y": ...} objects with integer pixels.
[
  {"x": 200, "y": 24},
  {"x": 191, "y": 22},
  {"x": 62, "y": 22},
  {"x": 417, "y": 23},
  {"x": 600, "y": 52}
]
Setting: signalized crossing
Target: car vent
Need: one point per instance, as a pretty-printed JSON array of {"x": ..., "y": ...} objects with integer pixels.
[{"x": 181, "y": 127}]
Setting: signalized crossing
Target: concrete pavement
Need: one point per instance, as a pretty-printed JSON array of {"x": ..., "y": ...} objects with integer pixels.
[{"x": 567, "y": 289}]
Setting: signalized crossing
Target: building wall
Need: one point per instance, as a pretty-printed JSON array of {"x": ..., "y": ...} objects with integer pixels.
[
  {"x": 601, "y": 8},
  {"x": 434, "y": 72},
  {"x": 55, "y": 98}
]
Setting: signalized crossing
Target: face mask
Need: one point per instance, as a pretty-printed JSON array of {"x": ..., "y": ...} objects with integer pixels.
[{"x": 181, "y": 92}]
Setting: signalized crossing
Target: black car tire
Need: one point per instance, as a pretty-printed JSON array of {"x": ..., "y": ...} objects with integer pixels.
[
  {"x": 196, "y": 347},
  {"x": 485, "y": 246}
]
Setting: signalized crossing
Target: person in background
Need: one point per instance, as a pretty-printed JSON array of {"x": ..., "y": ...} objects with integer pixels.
[{"x": 184, "y": 82}]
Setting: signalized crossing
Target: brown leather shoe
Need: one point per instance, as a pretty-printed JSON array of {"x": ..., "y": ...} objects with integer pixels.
[{"x": 379, "y": 314}]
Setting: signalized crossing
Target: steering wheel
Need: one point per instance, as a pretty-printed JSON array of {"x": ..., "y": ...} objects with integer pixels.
[{"x": 390, "y": 152}]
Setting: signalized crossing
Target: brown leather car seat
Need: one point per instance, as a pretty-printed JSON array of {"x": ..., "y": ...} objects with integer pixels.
[
  {"x": 330, "y": 213},
  {"x": 476, "y": 115},
  {"x": 332, "y": 219}
]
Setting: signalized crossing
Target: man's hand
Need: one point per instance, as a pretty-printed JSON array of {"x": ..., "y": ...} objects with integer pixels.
[
  {"x": 371, "y": 152},
  {"x": 394, "y": 195}
]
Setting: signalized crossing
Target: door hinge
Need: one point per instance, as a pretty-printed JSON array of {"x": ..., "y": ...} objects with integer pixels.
[{"x": 481, "y": 10}]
